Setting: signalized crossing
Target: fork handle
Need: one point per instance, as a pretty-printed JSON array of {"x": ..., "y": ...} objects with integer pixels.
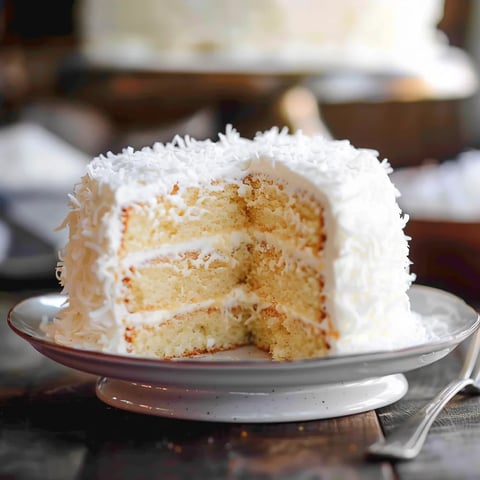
[{"x": 406, "y": 442}]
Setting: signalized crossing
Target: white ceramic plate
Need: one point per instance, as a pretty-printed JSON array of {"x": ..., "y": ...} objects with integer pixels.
[{"x": 243, "y": 385}]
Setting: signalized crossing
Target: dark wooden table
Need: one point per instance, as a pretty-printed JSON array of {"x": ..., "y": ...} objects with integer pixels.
[{"x": 52, "y": 427}]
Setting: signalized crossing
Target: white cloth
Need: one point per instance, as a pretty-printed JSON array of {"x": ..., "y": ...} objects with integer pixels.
[
  {"x": 446, "y": 191},
  {"x": 38, "y": 170}
]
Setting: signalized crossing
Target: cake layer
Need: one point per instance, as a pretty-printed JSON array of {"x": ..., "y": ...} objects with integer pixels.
[
  {"x": 287, "y": 337},
  {"x": 198, "y": 331},
  {"x": 257, "y": 201},
  {"x": 295, "y": 217},
  {"x": 185, "y": 214},
  {"x": 188, "y": 277},
  {"x": 281, "y": 332},
  {"x": 278, "y": 276}
]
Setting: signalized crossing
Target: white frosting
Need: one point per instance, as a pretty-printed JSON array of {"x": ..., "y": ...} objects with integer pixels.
[
  {"x": 205, "y": 246},
  {"x": 228, "y": 34},
  {"x": 366, "y": 253}
]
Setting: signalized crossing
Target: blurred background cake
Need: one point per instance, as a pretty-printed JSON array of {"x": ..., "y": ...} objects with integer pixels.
[
  {"x": 398, "y": 77},
  {"x": 276, "y": 35}
]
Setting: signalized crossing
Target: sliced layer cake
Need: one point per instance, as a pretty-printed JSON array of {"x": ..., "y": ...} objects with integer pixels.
[{"x": 290, "y": 243}]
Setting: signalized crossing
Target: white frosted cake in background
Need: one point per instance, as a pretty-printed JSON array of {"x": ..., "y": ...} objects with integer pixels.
[
  {"x": 291, "y": 243},
  {"x": 234, "y": 34}
]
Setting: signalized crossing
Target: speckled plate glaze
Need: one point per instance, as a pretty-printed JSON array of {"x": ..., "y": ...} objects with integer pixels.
[{"x": 244, "y": 385}]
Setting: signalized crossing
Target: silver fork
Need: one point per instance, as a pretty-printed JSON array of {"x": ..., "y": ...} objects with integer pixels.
[{"x": 406, "y": 442}]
